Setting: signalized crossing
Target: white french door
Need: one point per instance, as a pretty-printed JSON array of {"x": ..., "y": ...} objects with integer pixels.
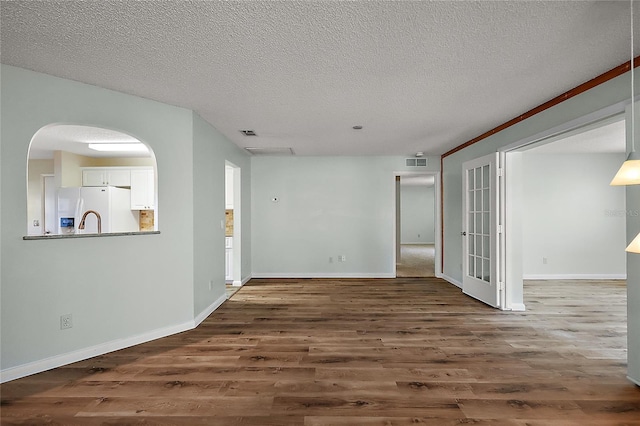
[{"x": 481, "y": 263}]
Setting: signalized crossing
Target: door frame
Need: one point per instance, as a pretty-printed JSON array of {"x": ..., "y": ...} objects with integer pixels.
[
  {"x": 512, "y": 205},
  {"x": 437, "y": 217},
  {"x": 236, "y": 269}
]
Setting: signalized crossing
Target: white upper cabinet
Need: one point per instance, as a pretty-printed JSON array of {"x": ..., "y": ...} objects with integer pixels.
[
  {"x": 93, "y": 177},
  {"x": 106, "y": 176},
  {"x": 139, "y": 179},
  {"x": 119, "y": 177},
  {"x": 142, "y": 189}
]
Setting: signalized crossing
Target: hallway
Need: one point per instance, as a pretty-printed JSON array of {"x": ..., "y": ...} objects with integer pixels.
[{"x": 416, "y": 261}]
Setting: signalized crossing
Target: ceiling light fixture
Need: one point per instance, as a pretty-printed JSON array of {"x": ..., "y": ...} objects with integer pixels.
[
  {"x": 629, "y": 173},
  {"x": 248, "y": 132},
  {"x": 419, "y": 154},
  {"x": 357, "y": 127},
  {"x": 119, "y": 147}
]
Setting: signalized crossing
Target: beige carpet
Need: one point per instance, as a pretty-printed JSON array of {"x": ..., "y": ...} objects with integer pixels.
[{"x": 416, "y": 261}]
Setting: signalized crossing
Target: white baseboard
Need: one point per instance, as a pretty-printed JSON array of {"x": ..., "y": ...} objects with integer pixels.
[
  {"x": 39, "y": 366},
  {"x": 337, "y": 275},
  {"x": 212, "y": 307},
  {"x": 575, "y": 277},
  {"x": 417, "y": 243},
  {"x": 518, "y": 307},
  {"x": 451, "y": 280}
]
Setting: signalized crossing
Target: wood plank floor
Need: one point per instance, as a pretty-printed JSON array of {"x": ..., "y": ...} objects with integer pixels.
[{"x": 359, "y": 352}]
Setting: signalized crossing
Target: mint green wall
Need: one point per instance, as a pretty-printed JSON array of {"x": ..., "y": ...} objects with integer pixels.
[
  {"x": 633, "y": 287},
  {"x": 633, "y": 259},
  {"x": 114, "y": 287},
  {"x": 328, "y": 206},
  {"x": 210, "y": 150},
  {"x": 418, "y": 214},
  {"x": 118, "y": 289},
  {"x": 573, "y": 217}
]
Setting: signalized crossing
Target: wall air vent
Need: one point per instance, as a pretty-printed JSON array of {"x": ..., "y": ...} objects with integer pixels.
[
  {"x": 416, "y": 162},
  {"x": 248, "y": 132},
  {"x": 270, "y": 151}
]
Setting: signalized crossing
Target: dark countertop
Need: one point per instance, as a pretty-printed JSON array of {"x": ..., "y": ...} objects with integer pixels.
[{"x": 110, "y": 234}]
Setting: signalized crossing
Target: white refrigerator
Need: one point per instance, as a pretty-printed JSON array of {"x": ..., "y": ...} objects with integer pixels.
[{"x": 113, "y": 204}]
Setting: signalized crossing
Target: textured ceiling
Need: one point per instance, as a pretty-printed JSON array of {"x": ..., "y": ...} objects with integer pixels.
[{"x": 419, "y": 76}]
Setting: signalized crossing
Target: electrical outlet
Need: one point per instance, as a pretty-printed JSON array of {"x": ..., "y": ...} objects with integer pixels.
[
  {"x": 342, "y": 258},
  {"x": 36, "y": 222},
  {"x": 66, "y": 321},
  {"x": 544, "y": 260}
]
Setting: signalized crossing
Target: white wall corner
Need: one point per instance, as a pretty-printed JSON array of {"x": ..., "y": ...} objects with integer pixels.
[
  {"x": 518, "y": 307},
  {"x": 205, "y": 313},
  {"x": 243, "y": 282}
]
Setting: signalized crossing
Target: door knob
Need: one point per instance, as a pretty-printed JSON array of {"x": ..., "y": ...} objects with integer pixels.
[{"x": 463, "y": 233}]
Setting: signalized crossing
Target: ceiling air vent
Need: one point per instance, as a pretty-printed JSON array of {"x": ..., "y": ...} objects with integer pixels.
[
  {"x": 416, "y": 162},
  {"x": 248, "y": 132},
  {"x": 270, "y": 151}
]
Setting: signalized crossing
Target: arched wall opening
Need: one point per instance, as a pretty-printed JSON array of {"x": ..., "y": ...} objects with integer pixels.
[{"x": 106, "y": 176}]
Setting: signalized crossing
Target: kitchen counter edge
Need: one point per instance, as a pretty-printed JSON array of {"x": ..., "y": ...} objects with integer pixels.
[{"x": 110, "y": 234}]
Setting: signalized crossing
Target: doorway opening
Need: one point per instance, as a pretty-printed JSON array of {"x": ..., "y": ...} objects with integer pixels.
[
  {"x": 563, "y": 221},
  {"x": 417, "y": 236},
  {"x": 233, "y": 228},
  {"x": 572, "y": 228}
]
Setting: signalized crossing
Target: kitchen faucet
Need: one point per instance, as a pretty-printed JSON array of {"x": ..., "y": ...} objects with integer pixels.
[{"x": 84, "y": 216}]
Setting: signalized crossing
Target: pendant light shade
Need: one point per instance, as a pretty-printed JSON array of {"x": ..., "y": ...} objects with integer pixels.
[
  {"x": 629, "y": 173},
  {"x": 634, "y": 247}
]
